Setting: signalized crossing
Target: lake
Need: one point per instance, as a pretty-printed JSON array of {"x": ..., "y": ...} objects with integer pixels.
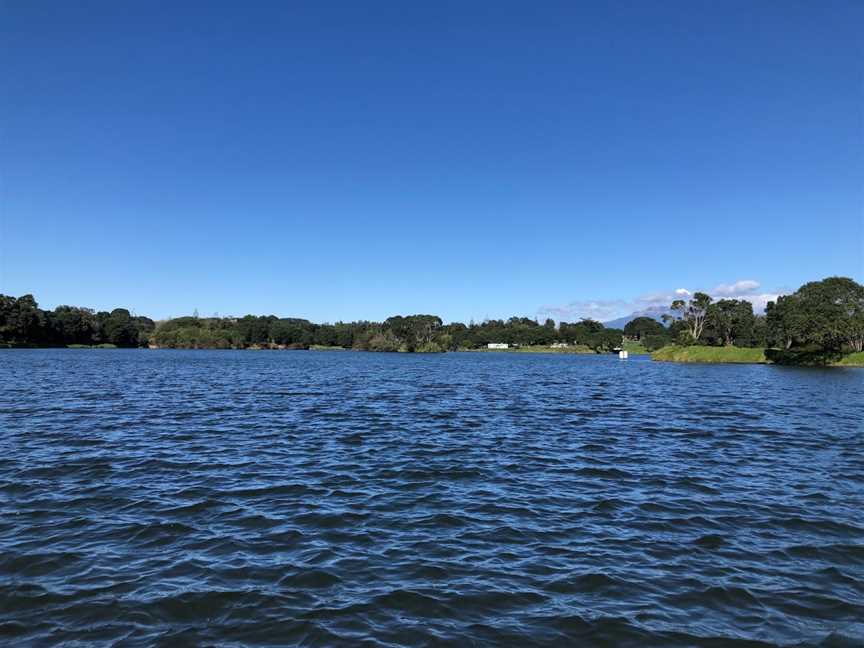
[{"x": 360, "y": 499}]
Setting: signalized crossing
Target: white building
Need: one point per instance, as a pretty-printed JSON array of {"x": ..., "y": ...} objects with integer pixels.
[{"x": 497, "y": 345}]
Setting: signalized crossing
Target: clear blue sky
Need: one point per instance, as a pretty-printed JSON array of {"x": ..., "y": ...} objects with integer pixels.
[{"x": 355, "y": 160}]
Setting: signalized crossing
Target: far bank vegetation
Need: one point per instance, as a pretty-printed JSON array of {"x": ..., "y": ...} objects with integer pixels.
[{"x": 820, "y": 323}]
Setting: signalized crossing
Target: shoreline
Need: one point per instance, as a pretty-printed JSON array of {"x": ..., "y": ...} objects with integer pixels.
[
  {"x": 740, "y": 355},
  {"x": 669, "y": 354}
]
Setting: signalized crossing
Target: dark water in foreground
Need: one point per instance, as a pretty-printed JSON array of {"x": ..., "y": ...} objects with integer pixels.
[{"x": 234, "y": 498}]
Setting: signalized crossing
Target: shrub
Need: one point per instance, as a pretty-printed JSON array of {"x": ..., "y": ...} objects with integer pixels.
[{"x": 654, "y": 342}]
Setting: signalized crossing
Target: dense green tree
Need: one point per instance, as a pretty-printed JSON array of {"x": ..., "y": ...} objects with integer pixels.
[
  {"x": 641, "y": 327},
  {"x": 145, "y": 328},
  {"x": 592, "y": 326},
  {"x": 460, "y": 336},
  {"x": 414, "y": 331},
  {"x": 784, "y": 321},
  {"x": 580, "y": 332},
  {"x": 605, "y": 340},
  {"x": 118, "y": 328},
  {"x": 827, "y": 314},
  {"x": 730, "y": 321},
  {"x": 344, "y": 335},
  {"x": 325, "y": 335},
  {"x": 677, "y": 330},
  {"x": 21, "y": 320},
  {"x": 654, "y": 342},
  {"x": 290, "y": 331},
  {"x": 8, "y": 313},
  {"x": 75, "y": 325},
  {"x": 760, "y": 332}
]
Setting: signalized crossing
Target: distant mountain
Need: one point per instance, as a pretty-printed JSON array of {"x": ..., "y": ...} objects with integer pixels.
[{"x": 654, "y": 312}]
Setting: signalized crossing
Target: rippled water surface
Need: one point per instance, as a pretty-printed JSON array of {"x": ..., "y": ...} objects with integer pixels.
[{"x": 348, "y": 499}]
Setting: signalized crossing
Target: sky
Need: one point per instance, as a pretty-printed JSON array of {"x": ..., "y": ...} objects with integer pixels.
[{"x": 347, "y": 160}]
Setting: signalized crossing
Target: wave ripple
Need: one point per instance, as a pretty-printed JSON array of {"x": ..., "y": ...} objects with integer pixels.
[{"x": 236, "y": 498}]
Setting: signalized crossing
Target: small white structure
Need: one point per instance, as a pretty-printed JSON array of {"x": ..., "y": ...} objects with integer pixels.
[
  {"x": 622, "y": 354},
  {"x": 497, "y": 345},
  {"x": 560, "y": 345}
]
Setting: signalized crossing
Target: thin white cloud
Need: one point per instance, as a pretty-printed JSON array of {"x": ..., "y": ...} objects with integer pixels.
[
  {"x": 593, "y": 309},
  {"x": 760, "y": 301},
  {"x": 737, "y": 289},
  {"x": 655, "y": 302}
]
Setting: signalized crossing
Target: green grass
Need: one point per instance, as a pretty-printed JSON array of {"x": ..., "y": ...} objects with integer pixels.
[
  {"x": 635, "y": 348},
  {"x": 852, "y": 360},
  {"x": 709, "y": 354}
]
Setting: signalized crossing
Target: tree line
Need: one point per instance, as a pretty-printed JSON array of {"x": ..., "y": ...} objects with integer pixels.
[
  {"x": 701, "y": 321},
  {"x": 23, "y": 323},
  {"x": 817, "y": 324},
  {"x": 822, "y": 317}
]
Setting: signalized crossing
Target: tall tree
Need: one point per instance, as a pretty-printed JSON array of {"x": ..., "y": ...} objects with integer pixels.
[
  {"x": 119, "y": 329},
  {"x": 731, "y": 321},
  {"x": 692, "y": 312}
]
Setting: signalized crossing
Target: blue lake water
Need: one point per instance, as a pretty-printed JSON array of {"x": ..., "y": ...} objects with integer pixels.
[{"x": 359, "y": 499}]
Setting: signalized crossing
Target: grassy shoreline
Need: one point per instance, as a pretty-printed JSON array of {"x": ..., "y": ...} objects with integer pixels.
[
  {"x": 672, "y": 353},
  {"x": 710, "y": 355},
  {"x": 635, "y": 348},
  {"x": 851, "y": 360},
  {"x": 734, "y": 355}
]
